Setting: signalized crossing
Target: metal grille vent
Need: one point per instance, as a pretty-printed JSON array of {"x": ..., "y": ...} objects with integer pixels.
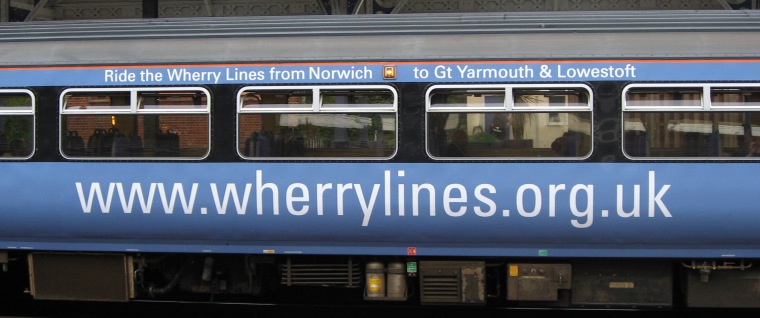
[
  {"x": 444, "y": 287},
  {"x": 86, "y": 277},
  {"x": 347, "y": 274},
  {"x": 452, "y": 282}
]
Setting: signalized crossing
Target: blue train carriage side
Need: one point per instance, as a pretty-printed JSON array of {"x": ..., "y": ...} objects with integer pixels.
[{"x": 512, "y": 160}]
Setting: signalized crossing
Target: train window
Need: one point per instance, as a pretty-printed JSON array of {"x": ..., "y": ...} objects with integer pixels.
[
  {"x": 133, "y": 123},
  {"x": 276, "y": 99},
  {"x": 317, "y": 122},
  {"x": 743, "y": 97},
  {"x": 350, "y": 99},
  {"x": 509, "y": 121},
  {"x": 16, "y": 124},
  {"x": 463, "y": 98},
  {"x": 666, "y": 98},
  {"x": 687, "y": 121},
  {"x": 99, "y": 100}
]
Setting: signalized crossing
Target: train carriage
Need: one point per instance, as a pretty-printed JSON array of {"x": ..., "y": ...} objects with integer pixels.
[{"x": 558, "y": 159}]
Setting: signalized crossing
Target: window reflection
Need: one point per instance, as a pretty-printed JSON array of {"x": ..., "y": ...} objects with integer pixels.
[
  {"x": 344, "y": 122},
  {"x": 510, "y": 135},
  {"x": 538, "y": 122},
  {"x": 132, "y": 123},
  {"x": 16, "y": 124},
  {"x": 318, "y": 135},
  {"x": 728, "y": 127}
]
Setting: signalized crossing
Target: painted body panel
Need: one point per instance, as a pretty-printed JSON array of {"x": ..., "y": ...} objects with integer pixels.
[
  {"x": 510, "y": 209},
  {"x": 371, "y": 72}
]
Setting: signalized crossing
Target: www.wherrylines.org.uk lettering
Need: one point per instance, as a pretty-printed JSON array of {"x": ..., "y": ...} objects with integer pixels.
[{"x": 388, "y": 198}]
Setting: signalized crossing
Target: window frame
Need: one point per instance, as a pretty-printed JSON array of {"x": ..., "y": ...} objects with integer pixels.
[
  {"x": 134, "y": 109},
  {"x": 509, "y": 106},
  {"x": 706, "y": 106},
  {"x": 22, "y": 111},
  {"x": 317, "y": 107}
]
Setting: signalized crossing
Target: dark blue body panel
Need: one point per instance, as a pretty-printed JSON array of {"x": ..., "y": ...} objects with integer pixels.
[{"x": 489, "y": 209}]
